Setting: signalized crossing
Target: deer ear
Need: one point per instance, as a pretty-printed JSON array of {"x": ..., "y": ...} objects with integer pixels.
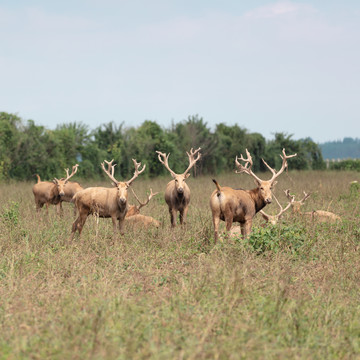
[
  {"x": 257, "y": 182},
  {"x": 55, "y": 181},
  {"x": 274, "y": 183},
  {"x": 187, "y": 175}
]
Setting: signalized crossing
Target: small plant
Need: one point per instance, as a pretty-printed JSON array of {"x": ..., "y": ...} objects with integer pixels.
[{"x": 10, "y": 214}]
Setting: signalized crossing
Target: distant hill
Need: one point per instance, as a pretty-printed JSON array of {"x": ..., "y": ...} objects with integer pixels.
[{"x": 348, "y": 148}]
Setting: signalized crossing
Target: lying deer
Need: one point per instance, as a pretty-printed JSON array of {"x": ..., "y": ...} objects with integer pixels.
[
  {"x": 134, "y": 217},
  {"x": 53, "y": 192},
  {"x": 315, "y": 215},
  {"x": 177, "y": 192},
  {"x": 105, "y": 202},
  {"x": 241, "y": 205},
  {"x": 273, "y": 219}
]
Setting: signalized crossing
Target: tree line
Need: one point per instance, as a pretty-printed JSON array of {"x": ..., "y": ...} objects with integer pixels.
[{"x": 27, "y": 149}]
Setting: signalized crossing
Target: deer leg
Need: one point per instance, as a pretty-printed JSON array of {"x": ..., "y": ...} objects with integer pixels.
[
  {"x": 113, "y": 218},
  {"x": 172, "y": 217},
  {"x": 121, "y": 226},
  {"x": 183, "y": 214},
  {"x": 78, "y": 225},
  {"x": 59, "y": 209},
  {"x": 246, "y": 228},
  {"x": 216, "y": 222}
]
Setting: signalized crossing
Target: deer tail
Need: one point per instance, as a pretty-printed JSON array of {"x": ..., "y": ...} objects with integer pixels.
[
  {"x": 217, "y": 186},
  {"x": 38, "y": 178}
]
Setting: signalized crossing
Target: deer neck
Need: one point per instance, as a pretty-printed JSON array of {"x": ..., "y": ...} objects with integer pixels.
[{"x": 257, "y": 198}]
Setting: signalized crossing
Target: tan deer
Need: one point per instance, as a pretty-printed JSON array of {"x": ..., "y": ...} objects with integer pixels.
[
  {"x": 241, "y": 205},
  {"x": 105, "y": 202},
  {"x": 67, "y": 189},
  {"x": 315, "y": 215},
  {"x": 177, "y": 192},
  {"x": 47, "y": 192},
  {"x": 136, "y": 219}
]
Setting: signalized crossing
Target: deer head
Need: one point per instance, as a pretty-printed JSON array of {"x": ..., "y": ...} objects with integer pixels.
[
  {"x": 296, "y": 205},
  {"x": 273, "y": 219},
  {"x": 265, "y": 186},
  {"x": 62, "y": 182},
  {"x": 122, "y": 187},
  {"x": 180, "y": 178}
]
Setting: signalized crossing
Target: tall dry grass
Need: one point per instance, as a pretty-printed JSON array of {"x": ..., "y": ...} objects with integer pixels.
[{"x": 289, "y": 292}]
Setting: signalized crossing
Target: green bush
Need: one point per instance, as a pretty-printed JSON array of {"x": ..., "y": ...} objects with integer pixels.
[{"x": 277, "y": 238}]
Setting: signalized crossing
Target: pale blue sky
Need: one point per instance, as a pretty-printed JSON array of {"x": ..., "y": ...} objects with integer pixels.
[{"x": 269, "y": 66}]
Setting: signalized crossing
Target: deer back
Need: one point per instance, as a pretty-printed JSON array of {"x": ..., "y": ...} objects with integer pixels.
[
  {"x": 46, "y": 192},
  {"x": 70, "y": 189},
  {"x": 240, "y": 204},
  {"x": 103, "y": 201}
]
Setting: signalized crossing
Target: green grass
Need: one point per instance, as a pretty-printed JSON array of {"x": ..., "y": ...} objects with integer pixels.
[{"x": 290, "y": 291}]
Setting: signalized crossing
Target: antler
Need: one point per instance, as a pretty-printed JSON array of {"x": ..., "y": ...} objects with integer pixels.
[
  {"x": 74, "y": 170},
  {"x": 282, "y": 210},
  {"x": 292, "y": 197},
  {"x": 110, "y": 168},
  {"x": 283, "y": 166},
  {"x": 165, "y": 162},
  {"x": 146, "y": 202},
  {"x": 247, "y": 167},
  {"x": 192, "y": 160},
  {"x": 137, "y": 172}
]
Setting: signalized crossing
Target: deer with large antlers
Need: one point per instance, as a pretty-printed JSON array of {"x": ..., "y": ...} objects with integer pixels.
[
  {"x": 177, "y": 192},
  {"x": 239, "y": 205},
  {"x": 315, "y": 215},
  {"x": 55, "y": 192},
  {"x": 134, "y": 217},
  {"x": 105, "y": 202}
]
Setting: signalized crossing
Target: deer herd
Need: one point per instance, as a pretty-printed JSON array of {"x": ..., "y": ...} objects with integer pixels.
[{"x": 226, "y": 204}]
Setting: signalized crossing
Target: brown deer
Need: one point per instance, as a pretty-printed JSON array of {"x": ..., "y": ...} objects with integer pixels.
[
  {"x": 241, "y": 205},
  {"x": 177, "y": 192},
  {"x": 105, "y": 202},
  {"x": 67, "y": 189},
  {"x": 47, "y": 192},
  {"x": 273, "y": 219},
  {"x": 136, "y": 219},
  {"x": 315, "y": 215}
]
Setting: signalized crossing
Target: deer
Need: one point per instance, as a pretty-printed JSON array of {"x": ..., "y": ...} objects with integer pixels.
[
  {"x": 134, "y": 217},
  {"x": 105, "y": 202},
  {"x": 67, "y": 189},
  {"x": 315, "y": 215},
  {"x": 177, "y": 192},
  {"x": 239, "y": 205},
  {"x": 52, "y": 192}
]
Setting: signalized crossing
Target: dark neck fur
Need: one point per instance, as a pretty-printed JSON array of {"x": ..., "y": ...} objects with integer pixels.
[{"x": 258, "y": 200}]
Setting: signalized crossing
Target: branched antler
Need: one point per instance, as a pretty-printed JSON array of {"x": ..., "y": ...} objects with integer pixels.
[
  {"x": 164, "y": 159},
  {"x": 247, "y": 167},
  {"x": 110, "y": 171},
  {"x": 73, "y": 172},
  {"x": 192, "y": 160},
  {"x": 137, "y": 171},
  {"x": 283, "y": 165},
  {"x": 142, "y": 204}
]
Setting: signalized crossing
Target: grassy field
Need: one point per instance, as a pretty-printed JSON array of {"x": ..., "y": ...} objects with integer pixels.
[{"x": 289, "y": 291}]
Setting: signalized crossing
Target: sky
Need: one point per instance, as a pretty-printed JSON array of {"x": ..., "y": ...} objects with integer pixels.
[{"x": 268, "y": 66}]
